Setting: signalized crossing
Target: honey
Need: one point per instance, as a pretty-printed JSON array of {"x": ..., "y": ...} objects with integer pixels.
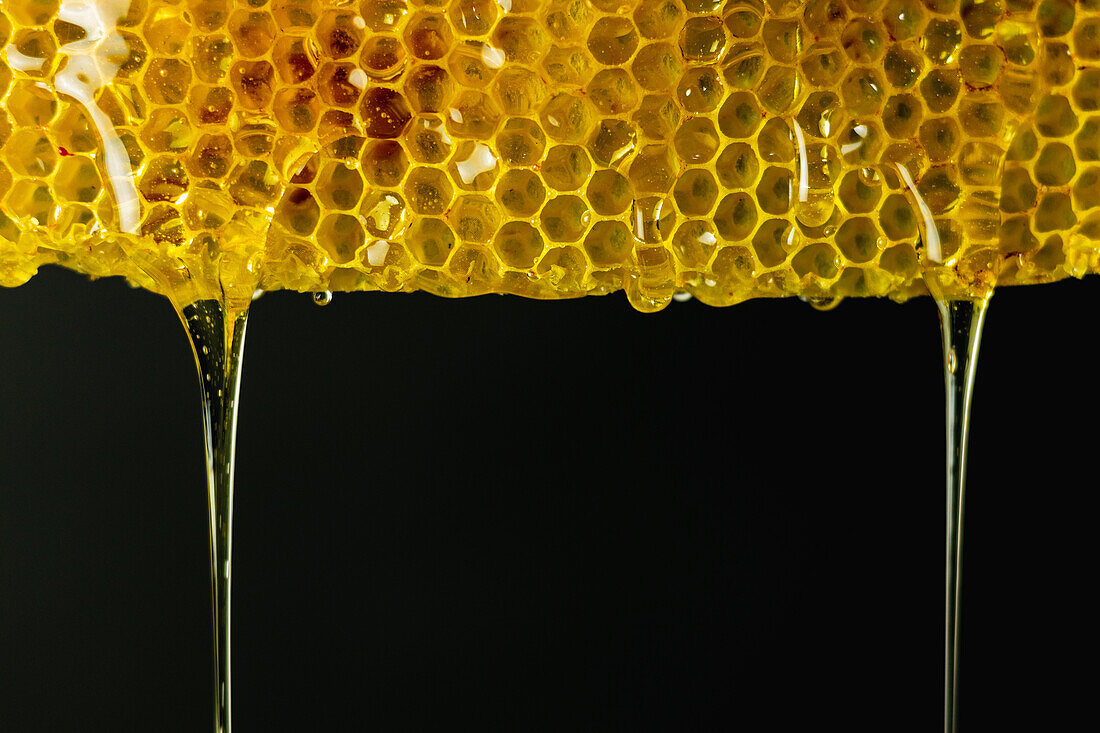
[{"x": 552, "y": 148}]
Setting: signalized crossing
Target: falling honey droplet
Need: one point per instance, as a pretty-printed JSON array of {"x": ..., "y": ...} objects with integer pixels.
[{"x": 322, "y": 298}]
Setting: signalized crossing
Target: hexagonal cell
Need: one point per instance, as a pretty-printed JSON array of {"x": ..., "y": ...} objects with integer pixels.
[
  {"x": 612, "y": 142},
  {"x": 981, "y": 115},
  {"x": 856, "y": 196},
  {"x": 822, "y": 66},
  {"x": 298, "y": 108},
  {"x": 941, "y": 40},
  {"x": 658, "y": 117},
  {"x": 519, "y": 244},
  {"x": 903, "y": 66},
  {"x": 1055, "y": 117},
  {"x": 657, "y": 66},
  {"x": 569, "y": 65},
  {"x": 254, "y": 83},
  {"x": 981, "y": 64},
  {"x": 474, "y": 218},
  {"x": 522, "y": 40},
  {"x": 166, "y": 29},
  {"x": 819, "y": 260},
  {"x": 940, "y": 138},
  {"x": 863, "y": 91},
  {"x": 298, "y": 211},
  {"x": 703, "y": 39},
  {"x": 695, "y": 192},
  {"x": 427, "y": 141},
  {"x": 384, "y": 163},
  {"x": 294, "y": 59},
  {"x": 253, "y": 32},
  {"x": 700, "y": 89},
  {"x": 474, "y": 166},
  {"x": 740, "y": 115},
  {"x": 609, "y": 193},
  {"x": 339, "y": 34},
  {"x": 612, "y": 91},
  {"x": 430, "y": 241},
  {"x": 384, "y": 59},
  {"x": 564, "y": 218},
  {"x": 74, "y": 131},
  {"x": 520, "y": 192},
  {"x": 1055, "y": 212},
  {"x": 341, "y": 235},
  {"x": 653, "y": 219},
  {"x": 939, "y": 89},
  {"x": 384, "y": 113},
  {"x": 339, "y": 186},
  {"x": 783, "y": 39},
  {"x": 609, "y": 243},
  {"x": 164, "y": 179},
  {"x": 859, "y": 239},
  {"x": 473, "y": 115},
  {"x": 779, "y": 89},
  {"x": 31, "y": 105},
  {"x": 207, "y": 206},
  {"x": 474, "y": 64},
  {"x": 653, "y": 170},
  {"x": 903, "y": 19},
  {"x": 897, "y": 218},
  {"x": 864, "y": 41},
  {"x": 30, "y": 153},
  {"x": 821, "y": 115},
  {"x": 658, "y": 18},
  {"x": 254, "y": 183},
  {"x": 428, "y": 35},
  {"x": 773, "y": 241},
  {"x": 383, "y": 15},
  {"x": 566, "y": 167},
  {"x": 35, "y": 12},
  {"x": 565, "y": 268},
  {"x": 1055, "y": 166},
  {"x": 207, "y": 15},
  {"x": 211, "y": 157},
  {"x": 337, "y": 83},
  {"x": 737, "y": 166},
  {"x": 32, "y": 199},
  {"x": 428, "y": 88},
  {"x": 210, "y": 105},
  {"x": 473, "y": 17},
  {"x": 382, "y": 214},
  {"x": 38, "y": 50},
  {"x": 568, "y": 21},
  {"x": 774, "y": 190},
  {"x": 612, "y": 40},
  {"x": 77, "y": 179},
  {"x": 979, "y": 164},
  {"x": 521, "y": 142},
  {"x": 694, "y": 243},
  {"x": 567, "y": 118},
  {"x": 428, "y": 191},
  {"x": 735, "y": 217},
  {"x": 212, "y": 56},
  {"x": 519, "y": 91}
]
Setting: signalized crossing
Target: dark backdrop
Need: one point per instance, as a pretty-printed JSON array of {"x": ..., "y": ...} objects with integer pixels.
[{"x": 527, "y": 516}]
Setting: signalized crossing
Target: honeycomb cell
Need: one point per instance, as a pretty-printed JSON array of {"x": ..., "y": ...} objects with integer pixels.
[
  {"x": 1055, "y": 116},
  {"x": 566, "y": 167},
  {"x": 737, "y": 166},
  {"x": 904, "y": 19},
  {"x": 297, "y": 110},
  {"x": 338, "y": 87},
  {"x": 821, "y": 115},
  {"x": 941, "y": 40},
  {"x": 612, "y": 40},
  {"x": 819, "y": 260},
  {"x": 383, "y": 58},
  {"x": 609, "y": 193},
  {"x": 520, "y": 192},
  {"x": 164, "y": 179},
  {"x": 212, "y": 156},
  {"x": 30, "y": 153},
  {"x": 564, "y": 218},
  {"x": 428, "y": 36},
  {"x": 33, "y": 200},
  {"x": 570, "y": 65},
  {"x": 522, "y": 40},
  {"x": 657, "y": 66},
  {"x": 773, "y": 241},
  {"x": 897, "y": 218},
  {"x": 902, "y": 66},
  {"x": 901, "y": 116},
  {"x": 981, "y": 65},
  {"x": 612, "y": 142},
  {"x": 609, "y": 243},
  {"x": 253, "y": 32},
  {"x": 1055, "y": 166},
  {"x": 473, "y": 115},
  {"x": 864, "y": 41},
  {"x": 1055, "y": 17},
  {"x": 474, "y": 218},
  {"x": 210, "y": 105},
  {"x": 254, "y": 183},
  {"x": 653, "y": 170},
  {"x": 856, "y": 195},
  {"x": 567, "y": 118},
  {"x": 695, "y": 192},
  {"x": 743, "y": 22},
  {"x": 653, "y": 219},
  {"x": 521, "y": 143},
  {"x": 167, "y": 81},
  {"x": 657, "y": 18},
  {"x": 568, "y": 20},
  {"x": 694, "y": 243},
  {"x": 774, "y": 190},
  {"x": 519, "y": 91},
  {"x": 382, "y": 214},
  {"x": 700, "y": 89},
  {"x": 474, "y": 166},
  {"x": 253, "y": 82},
  {"x": 613, "y": 92},
  {"x": 735, "y": 218},
  {"x": 981, "y": 115},
  {"x": 473, "y": 63},
  {"x": 298, "y": 211},
  {"x": 293, "y": 59},
  {"x": 428, "y": 191},
  {"x": 430, "y": 241},
  {"x": 427, "y": 88},
  {"x": 340, "y": 186},
  {"x": 658, "y": 117},
  {"x": 779, "y": 89},
  {"x": 383, "y": 15},
  {"x": 940, "y": 137},
  {"x": 295, "y": 13},
  {"x": 341, "y": 235},
  {"x": 473, "y": 17},
  {"x": 384, "y": 113},
  {"x": 776, "y": 141},
  {"x": 339, "y": 35},
  {"x": 822, "y": 66},
  {"x": 739, "y": 116},
  {"x": 518, "y": 244},
  {"x": 696, "y": 141},
  {"x": 37, "y": 50}
]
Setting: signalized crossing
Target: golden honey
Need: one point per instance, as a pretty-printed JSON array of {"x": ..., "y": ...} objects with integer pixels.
[{"x": 552, "y": 148}]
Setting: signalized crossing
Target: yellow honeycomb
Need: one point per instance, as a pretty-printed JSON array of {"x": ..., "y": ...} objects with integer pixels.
[{"x": 552, "y": 148}]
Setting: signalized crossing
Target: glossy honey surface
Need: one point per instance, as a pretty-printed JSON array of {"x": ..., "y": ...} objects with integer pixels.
[{"x": 552, "y": 148}]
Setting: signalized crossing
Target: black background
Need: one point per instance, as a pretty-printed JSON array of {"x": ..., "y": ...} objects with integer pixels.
[{"x": 530, "y": 516}]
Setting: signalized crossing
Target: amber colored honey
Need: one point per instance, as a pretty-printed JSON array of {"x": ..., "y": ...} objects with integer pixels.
[{"x": 552, "y": 148}]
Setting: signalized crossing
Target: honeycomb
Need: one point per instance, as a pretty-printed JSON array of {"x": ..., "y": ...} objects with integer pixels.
[{"x": 552, "y": 148}]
